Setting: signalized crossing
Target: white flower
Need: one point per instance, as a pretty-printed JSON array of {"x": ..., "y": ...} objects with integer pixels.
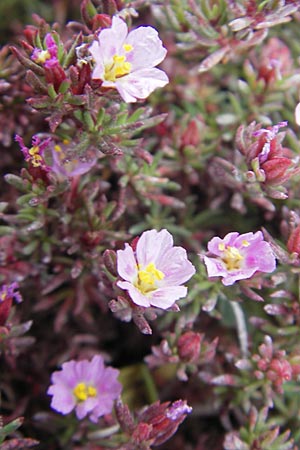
[{"x": 126, "y": 61}]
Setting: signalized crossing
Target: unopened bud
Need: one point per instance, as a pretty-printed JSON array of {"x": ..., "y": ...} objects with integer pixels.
[
  {"x": 293, "y": 243},
  {"x": 110, "y": 261},
  {"x": 189, "y": 345}
]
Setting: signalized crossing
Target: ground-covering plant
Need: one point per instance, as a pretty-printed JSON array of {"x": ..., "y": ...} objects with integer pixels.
[{"x": 150, "y": 225}]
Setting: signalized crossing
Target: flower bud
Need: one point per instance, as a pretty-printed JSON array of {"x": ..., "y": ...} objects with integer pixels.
[
  {"x": 293, "y": 243},
  {"x": 110, "y": 261},
  {"x": 188, "y": 346},
  {"x": 191, "y": 134}
]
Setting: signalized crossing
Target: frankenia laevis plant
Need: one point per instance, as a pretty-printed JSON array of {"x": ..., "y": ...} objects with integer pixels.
[
  {"x": 239, "y": 257},
  {"x": 126, "y": 60},
  {"x": 86, "y": 386},
  {"x": 154, "y": 272}
]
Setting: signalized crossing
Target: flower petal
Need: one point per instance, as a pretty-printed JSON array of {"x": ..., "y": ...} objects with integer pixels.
[
  {"x": 111, "y": 40},
  {"x": 140, "y": 84},
  {"x": 164, "y": 298},
  {"x": 175, "y": 266},
  {"x": 137, "y": 297},
  {"x": 152, "y": 245},
  {"x": 63, "y": 400},
  {"x": 127, "y": 264},
  {"x": 147, "y": 51}
]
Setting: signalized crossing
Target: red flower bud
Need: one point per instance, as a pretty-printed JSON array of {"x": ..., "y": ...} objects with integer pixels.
[
  {"x": 5, "y": 308},
  {"x": 191, "y": 135},
  {"x": 276, "y": 170},
  {"x": 55, "y": 75},
  {"x": 100, "y": 21},
  {"x": 293, "y": 243},
  {"x": 110, "y": 261},
  {"x": 31, "y": 33},
  {"x": 188, "y": 346}
]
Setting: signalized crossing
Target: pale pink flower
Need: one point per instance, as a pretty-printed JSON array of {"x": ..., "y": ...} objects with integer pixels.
[
  {"x": 239, "y": 256},
  {"x": 86, "y": 386},
  {"x": 65, "y": 164},
  {"x": 126, "y": 61},
  {"x": 155, "y": 271}
]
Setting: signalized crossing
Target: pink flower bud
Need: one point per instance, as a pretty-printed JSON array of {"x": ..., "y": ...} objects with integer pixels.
[
  {"x": 276, "y": 170},
  {"x": 191, "y": 135},
  {"x": 293, "y": 243},
  {"x": 188, "y": 346}
]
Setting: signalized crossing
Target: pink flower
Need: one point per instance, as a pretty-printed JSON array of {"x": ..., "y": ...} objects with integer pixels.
[
  {"x": 10, "y": 291},
  {"x": 35, "y": 154},
  {"x": 65, "y": 164},
  {"x": 238, "y": 257},
  {"x": 46, "y": 57},
  {"x": 155, "y": 271},
  {"x": 126, "y": 61},
  {"x": 86, "y": 386}
]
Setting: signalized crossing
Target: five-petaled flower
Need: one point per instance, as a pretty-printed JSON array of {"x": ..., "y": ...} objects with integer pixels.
[
  {"x": 239, "y": 256},
  {"x": 155, "y": 271},
  {"x": 86, "y": 386},
  {"x": 126, "y": 61}
]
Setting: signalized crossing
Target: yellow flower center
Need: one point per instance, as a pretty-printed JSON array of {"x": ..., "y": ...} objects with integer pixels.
[
  {"x": 119, "y": 66},
  {"x": 147, "y": 277},
  {"x": 42, "y": 56},
  {"x": 36, "y": 158},
  {"x": 231, "y": 257},
  {"x": 83, "y": 391}
]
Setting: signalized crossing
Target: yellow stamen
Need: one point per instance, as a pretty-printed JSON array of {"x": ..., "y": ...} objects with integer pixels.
[
  {"x": 42, "y": 56},
  {"x": 36, "y": 160},
  {"x": 232, "y": 258},
  {"x": 127, "y": 47},
  {"x": 147, "y": 277},
  {"x": 34, "y": 150},
  {"x": 118, "y": 68},
  {"x": 245, "y": 243},
  {"x": 82, "y": 392}
]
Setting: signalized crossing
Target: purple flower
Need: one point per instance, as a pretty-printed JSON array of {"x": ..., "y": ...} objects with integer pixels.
[
  {"x": 155, "y": 271},
  {"x": 86, "y": 386},
  {"x": 65, "y": 165},
  {"x": 47, "y": 57},
  {"x": 239, "y": 256},
  {"x": 35, "y": 154},
  {"x": 10, "y": 291},
  {"x": 126, "y": 61}
]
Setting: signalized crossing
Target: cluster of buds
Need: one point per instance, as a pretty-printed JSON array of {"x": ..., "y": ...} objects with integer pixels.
[
  {"x": 273, "y": 365},
  {"x": 268, "y": 161},
  {"x": 154, "y": 424},
  {"x": 187, "y": 352}
]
